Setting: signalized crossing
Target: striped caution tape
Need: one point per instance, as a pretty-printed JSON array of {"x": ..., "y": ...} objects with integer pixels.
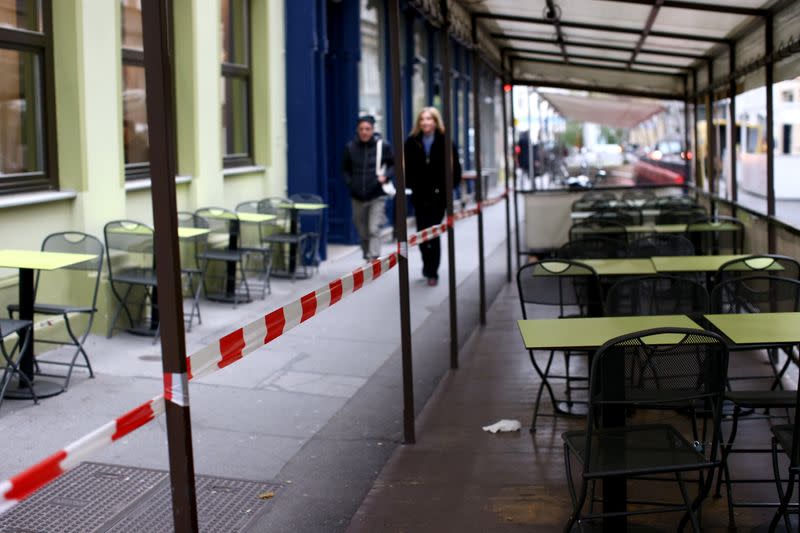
[{"x": 226, "y": 351}]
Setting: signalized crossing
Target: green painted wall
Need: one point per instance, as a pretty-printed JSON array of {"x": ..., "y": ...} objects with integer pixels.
[{"x": 87, "y": 39}]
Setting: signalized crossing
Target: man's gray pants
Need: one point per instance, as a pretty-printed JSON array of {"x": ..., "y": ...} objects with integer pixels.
[{"x": 369, "y": 217}]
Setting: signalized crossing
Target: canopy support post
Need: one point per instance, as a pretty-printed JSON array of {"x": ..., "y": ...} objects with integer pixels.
[
  {"x": 770, "y": 129},
  {"x": 476, "y": 93}
]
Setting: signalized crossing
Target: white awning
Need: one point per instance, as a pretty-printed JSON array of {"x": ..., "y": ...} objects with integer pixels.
[{"x": 616, "y": 111}]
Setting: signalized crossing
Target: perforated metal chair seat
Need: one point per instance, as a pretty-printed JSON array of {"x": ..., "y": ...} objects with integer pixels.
[
  {"x": 751, "y": 399},
  {"x": 635, "y": 450},
  {"x": 53, "y": 309},
  {"x": 136, "y": 276},
  {"x": 9, "y": 326},
  {"x": 284, "y": 238},
  {"x": 223, "y": 255}
]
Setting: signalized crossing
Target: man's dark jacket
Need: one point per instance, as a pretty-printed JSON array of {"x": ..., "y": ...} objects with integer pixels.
[
  {"x": 425, "y": 174},
  {"x": 358, "y": 167}
]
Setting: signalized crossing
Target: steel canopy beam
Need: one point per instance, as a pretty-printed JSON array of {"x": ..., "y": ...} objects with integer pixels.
[
  {"x": 601, "y": 27},
  {"x": 714, "y": 8},
  {"x": 589, "y": 65},
  {"x": 551, "y": 10},
  {"x": 648, "y": 27},
  {"x": 599, "y": 46},
  {"x": 554, "y": 84},
  {"x": 595, "y": 58}
]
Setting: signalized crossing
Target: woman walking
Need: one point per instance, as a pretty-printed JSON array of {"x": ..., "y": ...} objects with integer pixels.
[{"x": 424, "y": 160}]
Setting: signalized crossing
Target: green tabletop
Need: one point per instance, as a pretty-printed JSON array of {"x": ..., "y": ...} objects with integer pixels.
[
  {"x": 669, "y": 228},
  {"x": 191, "y": 233},
  {"x": 620, "y": 267},
  {"x": 304, "y": 206},
  {"x": 244, "y": 217},
  {"x": 183, "y": 232},
  {"x": 715, "y": 226},
  {"x": 37, "y": 260},
  {"x": 588, "y": 333},
  {"x": 692, "y": 263},
  {"x": 759, "y": 328}
]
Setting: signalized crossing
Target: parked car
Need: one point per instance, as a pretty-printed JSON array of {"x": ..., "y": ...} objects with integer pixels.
[{"x": 665, "y": 164}]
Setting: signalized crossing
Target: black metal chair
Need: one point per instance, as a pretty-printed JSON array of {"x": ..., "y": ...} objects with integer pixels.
[
  {"x": 193, "y": 271},
  {"x": 671, "y": 202},
  {"x": 656, "y": 295},
  {"x": 625, "y": 216},
  {"x": 131, "y": 265},
  {"x": 714, "y": 236},
  {"x": 279, "y": 233},
  {"x": 754, "y": 294},
  {"x": 593, "y": 248},
  {"x": 23, "y": 330},
  {"x": 763, "y": 265},
  {"x": 654, "y": 370},
  {"x": 84, "y": 276},
  {"x": 680, "y": 215},
  {"x": 565, "y": 289},
  {"x": 637, "y": 197},
  {"x": 224, "y": 238},
  {"x": 309, "y": 224},
  {"x": 598, "y": 227},
  {"x": 591, "y": 204},
  {"x": 660, "y": 244},
  {"x": 599, "y": 195},
  {"x": 254, "y": 243},
  {"x": 786, "y": 441}
]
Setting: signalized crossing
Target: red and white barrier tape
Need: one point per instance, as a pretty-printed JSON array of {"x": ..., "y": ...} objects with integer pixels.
[{"x": 208, "y": 360}]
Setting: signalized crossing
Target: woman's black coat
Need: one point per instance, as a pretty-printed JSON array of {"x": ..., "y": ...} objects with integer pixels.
[{"x": 425, "y": 174}]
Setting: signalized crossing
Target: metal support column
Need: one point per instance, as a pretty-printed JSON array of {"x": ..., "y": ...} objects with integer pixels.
[
  {"x": 687, "y": 149},
  {"x": 734, "y": 134},
  {"x": 698, "y": 162},
  {"x": 444, "y": 40},
  {"x": 508, "y": 180},
  {"x": 476, "y": 99},
  {"x": 400, "y": 221},
  {"x": 711, "y": 144},
  {"x": 516, "y": 177},
  {"x": 161, "y": 125},
  {"x": 770, "y": 134}
]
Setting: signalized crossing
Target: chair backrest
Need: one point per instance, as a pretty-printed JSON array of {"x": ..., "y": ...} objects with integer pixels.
[
  {"x": 764, "y": 265},
  {"x": 132, "y": 238},
  {"x": 222, "y": 223},
  {"x": 756, "y": 294},
  {"x": 590, "y": 204},
  {"x": 599, "y": 195},
  {"x": 660, "y": 244},
  {"x": 560, "y": 283},
  {"x": 637, "y": 195},
  {"x": 626, "y": 217},
  {"x": 75, "y": 242},
  {"x": 671, "y": 202},
  {"x": 281, "y": 208},
  {"x": 594, "y": 247},
  {"x": 716, "y": 235},
  {"x": 680, "y": 216},
  {"x": 247, "y": 207},
  {"x": 663, "y": 368},
  {"x": 656, "y": 295},
  {"x": 598, "y": 227}
]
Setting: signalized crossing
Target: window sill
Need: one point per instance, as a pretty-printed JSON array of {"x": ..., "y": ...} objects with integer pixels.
[
  {"x": 248, "y": 169},
  {"x": 33, "y": 198},
  {"x": 145, "y": 183}
]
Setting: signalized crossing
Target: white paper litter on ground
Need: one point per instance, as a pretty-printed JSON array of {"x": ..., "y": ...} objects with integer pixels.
[{"x": 503, "y": 426}]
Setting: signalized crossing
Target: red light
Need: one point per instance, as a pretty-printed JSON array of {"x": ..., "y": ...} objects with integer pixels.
[
  {"x": 689, "y": 156},
  {"x": 507, "y": 87},
  {"x": 517, "y": 149}
]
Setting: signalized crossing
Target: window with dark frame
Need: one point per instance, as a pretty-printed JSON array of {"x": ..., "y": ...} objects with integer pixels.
[
  {"x": 27, "y": 113},
  {"x": 236, "y": 84},
  {"x": 135, "y": 138}
]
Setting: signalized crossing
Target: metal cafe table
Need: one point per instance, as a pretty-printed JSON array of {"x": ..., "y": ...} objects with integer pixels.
[
  {"x": 233, "y": 240},
  {"x": 590, "y": 334},
  {"x": 26, "y": 261},
  {"x": 295, "y": 209}
]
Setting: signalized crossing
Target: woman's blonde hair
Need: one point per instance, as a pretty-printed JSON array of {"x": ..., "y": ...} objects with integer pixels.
[{"x": 436, "y": 118}]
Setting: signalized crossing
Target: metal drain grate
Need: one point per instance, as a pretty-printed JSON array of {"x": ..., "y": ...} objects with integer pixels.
[
  {"x": 109, "y": 498},
  {"x": 223, "y": 505}
]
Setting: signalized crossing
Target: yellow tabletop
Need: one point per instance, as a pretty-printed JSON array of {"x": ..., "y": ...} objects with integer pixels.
[
  {"x": 669, "y": 228},
  {"x": 255, "y": 218},
  {"x": 759, "y": 328},
  {"x": 620, "y": 267},
  {"x": 714, "y": 226},
  {"x": 692, "y": 263},
  {"x": 304, "y": 206},
  {"x": 191, "y": 233},
  {"x": 588, "y": 333},
  {"x": 37, "y": 260}
]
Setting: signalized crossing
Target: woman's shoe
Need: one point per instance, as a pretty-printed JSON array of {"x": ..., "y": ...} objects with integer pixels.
[{"x": 432, "y": 282}]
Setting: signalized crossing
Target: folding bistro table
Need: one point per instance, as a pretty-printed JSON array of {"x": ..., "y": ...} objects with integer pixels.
[
  {"x": 590, "y": 334},
  {"x": 26, "y": 261},
  {"x": 758, "y": 329}
]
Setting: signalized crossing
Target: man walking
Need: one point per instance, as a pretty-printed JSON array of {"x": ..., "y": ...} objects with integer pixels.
[{"x": 367, "y": 168}]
